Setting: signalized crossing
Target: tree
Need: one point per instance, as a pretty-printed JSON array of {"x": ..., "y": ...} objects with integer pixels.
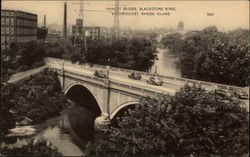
[
  {"x": 193, "y": 122},
  {"x": 6, "y": 117},
  {"x": 38, "y": 97},
  {"x": 211, "y": 55},
  {"x": 32, "y": 52},
  {"x": 42, "y": 33}
]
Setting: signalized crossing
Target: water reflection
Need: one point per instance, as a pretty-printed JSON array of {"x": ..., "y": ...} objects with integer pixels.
[
  {"x": 63, "y": 141},
  {"x": 69, "y": 132},
  {"x": 166, "y": 64}
]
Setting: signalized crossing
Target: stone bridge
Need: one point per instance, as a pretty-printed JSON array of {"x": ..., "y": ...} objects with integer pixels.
[
  {"x": 107, "y": 96},
  {"x": 102, "y": 96}
]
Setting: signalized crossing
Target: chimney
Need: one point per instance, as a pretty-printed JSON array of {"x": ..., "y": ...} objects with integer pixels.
[
  {"x": 65, "y": 20},
  {"x": 44, "y": 21}
]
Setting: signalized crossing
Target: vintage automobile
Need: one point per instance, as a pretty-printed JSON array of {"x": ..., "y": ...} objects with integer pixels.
[
  {"x": 154, "y": 81},
  {"x": 241, "y": 94},
  {"x": 100, "y": 74},
  {"x": 222, "y": 92},
  {"x": 135, "y": 76}
]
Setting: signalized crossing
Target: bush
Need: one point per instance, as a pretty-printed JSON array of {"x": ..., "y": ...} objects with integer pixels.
[
  {"x": 38, "y": 97},
  {"x": 36, "y": 148},
  {"x": 192, "y": 122}
]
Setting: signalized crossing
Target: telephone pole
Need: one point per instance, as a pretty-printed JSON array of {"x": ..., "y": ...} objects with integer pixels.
[
  {"x": 81, "y": 15},
  {"x": 116, "y": 20},
  {"x": 65, "y": 20}
]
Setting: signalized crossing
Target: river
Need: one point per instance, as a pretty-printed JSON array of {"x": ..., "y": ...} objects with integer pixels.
[
  {"x": 166, "y": 64},
  {"x": 69, "y": 133}
]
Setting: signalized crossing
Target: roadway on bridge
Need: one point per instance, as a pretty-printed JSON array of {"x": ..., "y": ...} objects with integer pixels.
[{"x": 119, "y": 76}]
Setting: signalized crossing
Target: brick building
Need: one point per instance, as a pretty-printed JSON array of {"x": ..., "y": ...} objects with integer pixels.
[{"x": 17, "y": 26}]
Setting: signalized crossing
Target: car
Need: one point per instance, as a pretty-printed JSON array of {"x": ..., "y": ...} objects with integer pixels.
[
  {"x": 222, "y": 92},
  {"x": 135, "y": 76},
  {"x": 154, "y": 81},
  {"x": 100, "y": 74},
  {"x": 242, "y": 95}
]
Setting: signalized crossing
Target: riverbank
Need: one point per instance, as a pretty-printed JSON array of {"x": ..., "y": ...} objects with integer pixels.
[{"x": 70, "y": 136}]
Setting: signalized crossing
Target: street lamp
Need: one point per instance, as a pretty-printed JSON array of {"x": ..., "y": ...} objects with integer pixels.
[
  {"x": 108, "y": 69},
  {"x": 63, "y": 65},
  {"x": 63, "y": 74}
]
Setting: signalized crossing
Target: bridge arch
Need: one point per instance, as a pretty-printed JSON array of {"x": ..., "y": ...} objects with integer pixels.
[
  {"x": 122, "y": 106},
  {"x": 83, "y": 96}
]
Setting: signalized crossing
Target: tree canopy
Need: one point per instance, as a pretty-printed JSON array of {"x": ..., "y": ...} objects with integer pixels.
[
  {"x": 193, "y": 122},
  {"x": 211, "y": 55}
]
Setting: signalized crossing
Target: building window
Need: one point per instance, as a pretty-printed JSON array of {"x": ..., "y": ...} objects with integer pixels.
[
  {"x": 12, "y": 21},
  {"x": 2, "y": 21},
  {"x": 2, "y": 13},
  {"x": 12, "y": 13},
  {"x": 7, "y": 30},
  {"x": 7, "y": 13},
  {"x": 11, "y": 30},
  {"x": 12, "y": 39},
  {"x": 7, "y": 21},
  {"x": 2, "y": 30},
  {"x": 2, "y": 39},
  {"x": 17, "y": 22}
]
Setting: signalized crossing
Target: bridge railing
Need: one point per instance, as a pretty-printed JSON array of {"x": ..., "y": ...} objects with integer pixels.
[
  {"x": 182, "y": 81},
  {"x": 135, "y": 89},
  {"x": 176, "y": 79}
]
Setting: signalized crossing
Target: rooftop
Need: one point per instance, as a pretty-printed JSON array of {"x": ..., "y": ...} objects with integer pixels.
[{"x": 2, "y": 10}]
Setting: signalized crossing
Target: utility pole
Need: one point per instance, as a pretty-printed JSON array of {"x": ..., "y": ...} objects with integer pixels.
[
  {"x": 65, "y": 20},
  {"x": 81, "y": 15},
  {"x": 116, "y": 19}
]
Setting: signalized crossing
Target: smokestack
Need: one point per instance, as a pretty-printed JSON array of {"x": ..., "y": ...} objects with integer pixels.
[
  {"x": 65, "y": 20},
  {"x": 44, "y": 21}
]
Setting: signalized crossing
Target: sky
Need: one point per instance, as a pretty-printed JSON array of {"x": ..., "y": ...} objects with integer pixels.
[{"x": 227, "y": 15}]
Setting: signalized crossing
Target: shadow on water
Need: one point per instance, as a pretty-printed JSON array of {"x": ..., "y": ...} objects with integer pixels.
[{"x": 69, "y": 132}]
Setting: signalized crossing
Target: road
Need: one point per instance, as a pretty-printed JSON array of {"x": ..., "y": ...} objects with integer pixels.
[
  {"x": 118, "y": 76},
  {"x": 19, "y": 76}
]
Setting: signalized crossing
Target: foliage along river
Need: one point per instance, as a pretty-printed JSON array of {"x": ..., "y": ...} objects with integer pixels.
[{"x": 71, "y": 131}]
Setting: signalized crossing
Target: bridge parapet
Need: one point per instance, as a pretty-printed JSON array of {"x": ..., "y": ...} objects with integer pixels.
[
  {"x": 204, "y": 84},
  {"x": 179, "y": 81},
  {"x": 133, "y": 89}
]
